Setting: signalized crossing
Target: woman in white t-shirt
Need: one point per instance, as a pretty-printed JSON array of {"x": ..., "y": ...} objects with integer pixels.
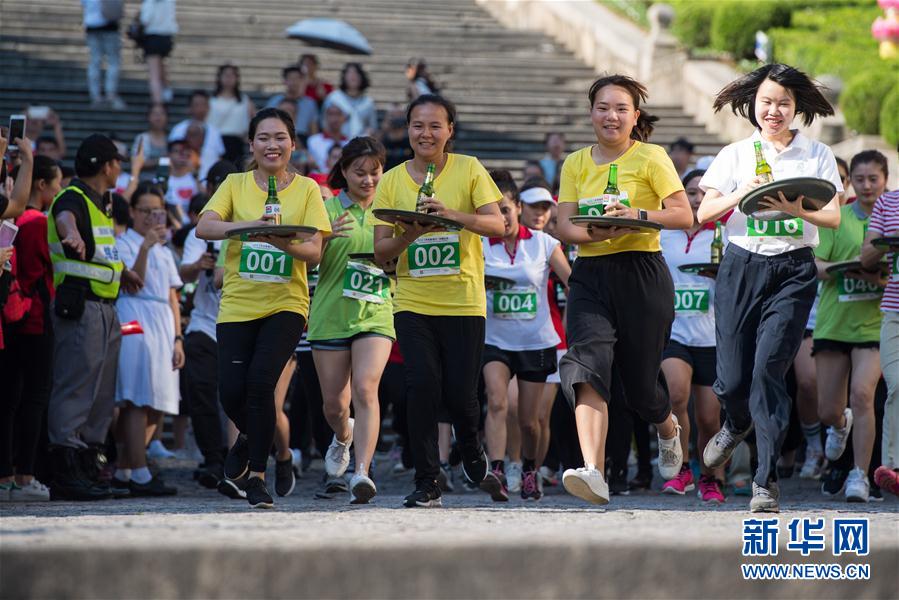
[
  {"x": 520, "y": 339},
  {"x": 689, "y": 357},
  {"x": 767, "y": 280},
  {"x": 230, "y": 111}
]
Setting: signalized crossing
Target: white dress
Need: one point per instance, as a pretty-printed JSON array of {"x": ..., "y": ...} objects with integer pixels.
[{"x": 145, "y": 374}]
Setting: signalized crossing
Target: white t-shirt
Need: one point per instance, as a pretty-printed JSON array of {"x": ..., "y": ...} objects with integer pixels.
[
  {"x": 694, "y": 305},
  {"x": 206, "y": 297},
  {"x": 735, "y": 165},
  {"x": 161, "y": 274},
  {"x": 230, "y": 116},
  {"x": 518, "y": 318},
  {"x": 319, "y": 145},
  {"x": 158, "y": 17},
  {"x": 181, "y": 189},
  {"x": 213, "y": 146}
]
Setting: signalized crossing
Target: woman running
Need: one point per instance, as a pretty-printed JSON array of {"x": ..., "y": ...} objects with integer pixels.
[
  {"x": 621, "y": 300},
  {"x": 520, "y": 341},
  {"x": 847, "y": 332},
  {"x": 265, "y": 298},
  {"x": 767, "y": 280},
  {"x": 440, "y": 302},
  {"x": 689, "y": 363},
  {"x": 351, "y": 322}
]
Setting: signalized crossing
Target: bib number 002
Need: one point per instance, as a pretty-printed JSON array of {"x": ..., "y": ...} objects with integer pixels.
[{"x": 434, "y": 255}]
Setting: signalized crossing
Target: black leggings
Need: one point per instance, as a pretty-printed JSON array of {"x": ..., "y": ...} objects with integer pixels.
[
  {"x": 26, "y": 373},
  {"x": 251, "y": 356},
  {"x": 442, "y": 358}
]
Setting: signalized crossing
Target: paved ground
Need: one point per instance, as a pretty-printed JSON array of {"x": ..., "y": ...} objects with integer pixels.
[{"x": 194, "y": 536}]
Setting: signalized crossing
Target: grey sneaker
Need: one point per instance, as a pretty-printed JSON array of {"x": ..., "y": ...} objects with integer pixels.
[
  {"x": 838, "y": 437},
  {"x": 718, "y": 450},
  {"x": 337, "y": 458},
  {"x": 362, "y": 489},
  {"x": 857, "y": 487},
  {"x": 765, "y": 499},
  {"x": 671, "y": 455}
]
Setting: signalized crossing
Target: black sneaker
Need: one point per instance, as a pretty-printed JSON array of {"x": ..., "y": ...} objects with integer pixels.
[
  {"x": 209, "y": 475},
  {"x": 285, "y": 480},
  {"x": 119, "y": 488},
  {"x": 495, "y": 485},
  {"x": 618, "y": 485},
  {"x": 641, "y": 481},
  {"x": 257, "y": 494},
  {"x": 834, "y": 481},
  {"x": 426, "y": 495},
  {"x": 237, "y": 459},
  {"x": 154, "y": 487},
  {"x": 331, "y": 487},
  {"x": 233, "y": 489},
  {"x": 474, "y": 464}
]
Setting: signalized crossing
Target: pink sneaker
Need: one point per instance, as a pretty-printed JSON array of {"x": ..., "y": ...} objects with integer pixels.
[
  {"x": 887, "y": 479},
  {"x": 710, "y": 490},
  {"x": 680, "y": 484}
]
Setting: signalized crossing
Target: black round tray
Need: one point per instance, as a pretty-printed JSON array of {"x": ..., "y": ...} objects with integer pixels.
[
  {"x": 851, "y": 265},
  {"x": 285, "y": 231},
  {"x": 393, "y": 215},
  {"x": 891, "y": 243},
  {"x": 817, "y": 192},
  {"x": 699, "y": 268},
  {"x": 361, "y": 256},
  {"x": 495, "y": 282},
  {"x": 584, "y": 221}
]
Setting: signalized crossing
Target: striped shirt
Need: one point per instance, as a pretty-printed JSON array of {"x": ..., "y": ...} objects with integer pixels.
[{"x": 885, "y": 221}]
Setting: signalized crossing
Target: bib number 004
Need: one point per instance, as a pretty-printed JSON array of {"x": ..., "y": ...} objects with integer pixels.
[{"x": 515, "y": 303}]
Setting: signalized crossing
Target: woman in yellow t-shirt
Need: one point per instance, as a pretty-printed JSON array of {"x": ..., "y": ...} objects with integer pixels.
[
  {"x": 265, "y": 298},
  {"x": 440, "y": 302},
  {"x": 621, "y": 301}
]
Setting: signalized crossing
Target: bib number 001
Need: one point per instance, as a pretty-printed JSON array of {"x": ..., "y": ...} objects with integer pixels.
[
  {"x": 434, "y": 255},
  {"x": 263, "y": 262}
]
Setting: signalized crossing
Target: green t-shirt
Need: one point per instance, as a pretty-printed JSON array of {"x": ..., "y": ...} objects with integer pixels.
[
  {"x": 352, "y": 296},
  {"x": 849, "y": 310}
]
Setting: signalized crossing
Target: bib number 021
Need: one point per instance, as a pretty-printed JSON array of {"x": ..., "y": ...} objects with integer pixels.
[{"x": 365, "y": 282}]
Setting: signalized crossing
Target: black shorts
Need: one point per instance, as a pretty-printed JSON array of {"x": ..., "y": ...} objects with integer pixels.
[
  {"x": 528, "y": 365},
  {"x": 840, "y": 347},
  {"x": 158, "y": 45},
  {"x": 345, "y": 344},
  {"x": 701, "y": 359}
]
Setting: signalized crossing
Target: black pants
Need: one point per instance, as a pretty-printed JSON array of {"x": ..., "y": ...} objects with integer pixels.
[
  {"x": 762, "y": 304},
  {"x": 442, "y": 358},
  {"x": 393, "y": 394},
  {"x": 252, "y": 355},
  {"x": 26, "y": 368},
  {"x": 201, "y": 395},
  {"x": 620, "y": 311},
  {"x": 308, "y": 426}
]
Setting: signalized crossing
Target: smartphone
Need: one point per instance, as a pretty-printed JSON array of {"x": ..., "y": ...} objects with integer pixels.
[
  {"x": 16, "y": 130},
  {"x": 162, "y": 170},
  {"x": 38, "y": 112},
  {"x": 159, "y": 217},
  {"x": 8, "y": 233},
  {"x": 210, "y": 249}
]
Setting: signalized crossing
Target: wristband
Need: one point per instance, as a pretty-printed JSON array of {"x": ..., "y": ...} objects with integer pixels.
[
  {"x": 179, "y": 338},
  {"x": 643, "y": 216}
]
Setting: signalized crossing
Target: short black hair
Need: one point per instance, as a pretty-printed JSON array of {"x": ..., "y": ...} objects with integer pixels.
[
  {"x": 682, "y": 143},
  {"x": 291, "y": 69},
  {"x": 363, "y": 85},
  {"x": 195, "y": 93},
  {"x": 197, "y": 202}
]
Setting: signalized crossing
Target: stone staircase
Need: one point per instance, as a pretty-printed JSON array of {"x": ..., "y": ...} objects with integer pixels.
[{"x": 511, "y": 87}]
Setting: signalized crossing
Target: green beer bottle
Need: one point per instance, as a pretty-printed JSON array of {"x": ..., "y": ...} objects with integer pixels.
[
  {"x": 718, "y": 244},
  {"x": 762, "y": 168},
  {"x": 272, "y": 204},
  {"x": 610, "y": 194},
  {"x": 426, "y": 190}
]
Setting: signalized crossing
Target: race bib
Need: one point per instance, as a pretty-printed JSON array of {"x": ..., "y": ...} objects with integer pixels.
[
  {"x": 515, "y": 303},
  {"x": 591, "y": 207},
  {"x": 365, "y": 282},
  {"x": 436, "y": 254},
  {"x": 263, "y": 262},
  {"x": 690, "y": 300},
  {"x": 856, "y": 290},
  {"x": 790, "y": 228}
]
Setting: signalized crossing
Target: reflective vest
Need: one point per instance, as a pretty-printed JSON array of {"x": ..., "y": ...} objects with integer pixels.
[{"x": 104, "y": 269}]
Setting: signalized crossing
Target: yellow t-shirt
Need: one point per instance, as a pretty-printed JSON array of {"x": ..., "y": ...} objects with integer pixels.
[
  {"x": 647, "y": 175},
  {"x": 240, "y": 199},
  {"x": 462, "y": 185}
]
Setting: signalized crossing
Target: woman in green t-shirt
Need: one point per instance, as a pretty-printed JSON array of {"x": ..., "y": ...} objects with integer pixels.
[
  {"x": 351, "y": 322},
  {"x": 847, "y": 330}
]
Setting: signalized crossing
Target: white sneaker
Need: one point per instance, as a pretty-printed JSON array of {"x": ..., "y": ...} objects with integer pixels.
[
  {"x": 813, "y": 465},
  {"x": 838, "y": 438},
  {"x": 671, "y": 455},
  {"x": 546, "y": 476},
  {"x": 513, "y": 477},
  {"x": 296, "y": 457},
  {"x": 765, "y": 499},
  {"x": 586, "y": 484},
  {"x": 362, "y": 489},
  {"x": 157, "y": 450},
  {"x": 117, "y": 102},
  {"x": 33, "y": 491},
  {"x": 857, "y": 488},
  {"x": 337, "y": 458}
]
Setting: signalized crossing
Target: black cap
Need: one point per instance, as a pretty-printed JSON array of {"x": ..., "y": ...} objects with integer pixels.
[
  {"x": 219, "y": 171},
  {"x": 95, "y": 150}
]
